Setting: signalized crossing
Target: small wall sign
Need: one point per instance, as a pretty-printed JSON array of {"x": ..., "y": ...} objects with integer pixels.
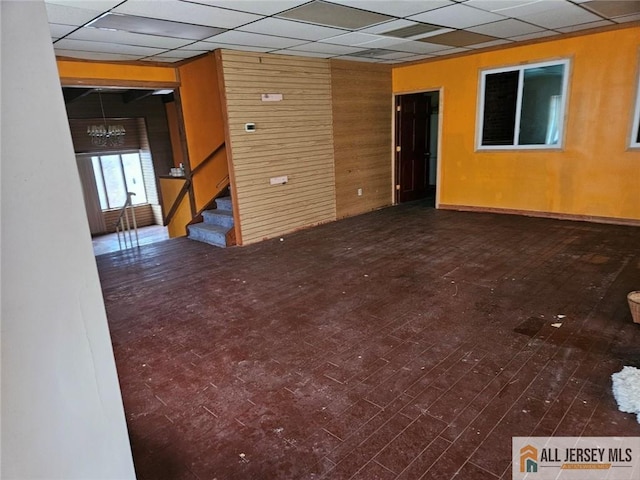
[{"x": 271, "y": 97}]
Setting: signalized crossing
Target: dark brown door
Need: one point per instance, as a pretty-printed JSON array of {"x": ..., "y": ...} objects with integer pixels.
[{"x": 413, "y": 113}]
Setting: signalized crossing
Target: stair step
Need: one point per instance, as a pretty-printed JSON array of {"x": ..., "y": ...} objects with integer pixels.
[
  {"x": 211, "y": 234},
  {"x": 224, "y": 203},
  {"x": 224, "y": 218}
]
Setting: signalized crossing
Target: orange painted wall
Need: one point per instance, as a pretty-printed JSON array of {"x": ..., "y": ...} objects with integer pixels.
[
  {"x": 81, "y": 72},
  {"x": 201, "y": 107},
  {"x": 595, "y": 174}
]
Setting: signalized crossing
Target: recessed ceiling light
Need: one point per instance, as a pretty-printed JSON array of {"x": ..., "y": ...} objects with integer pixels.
[
  {"x": 333, "y": 15},
  {"x": 154, "y": 26}
]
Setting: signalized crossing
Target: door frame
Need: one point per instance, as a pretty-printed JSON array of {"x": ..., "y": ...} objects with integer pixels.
[{"x": 394, "y": 192}]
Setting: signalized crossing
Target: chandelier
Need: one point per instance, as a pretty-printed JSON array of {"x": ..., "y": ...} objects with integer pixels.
[{"x": 106, "y": 135}]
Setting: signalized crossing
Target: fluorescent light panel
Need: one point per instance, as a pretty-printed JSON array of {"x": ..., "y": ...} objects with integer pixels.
[{"x": 153, "y": 26}]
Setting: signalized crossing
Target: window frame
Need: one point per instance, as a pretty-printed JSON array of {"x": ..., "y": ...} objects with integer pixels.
[
  {"x": 566, "y": 62},
  {"x": 635, "y": 125},
  {"x": 119, "y": 153}
]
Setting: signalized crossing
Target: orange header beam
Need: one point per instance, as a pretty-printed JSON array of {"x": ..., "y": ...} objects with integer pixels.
[{"x": 82, "y": 72}]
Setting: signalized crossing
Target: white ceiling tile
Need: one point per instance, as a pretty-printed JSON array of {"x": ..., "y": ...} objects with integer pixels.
[
  {"x": 385, "y": 42},
  {"x": 562, "y": 15},
  {"x": 244, "y": 48},
  {"x": 397, "y": 8},
  {"x": 298, "y": 53},
  {"x": 163, "y": 58},
  {"x": 181, "y": 53},
  {"x": 103, "y": 47},
  {"x": 357, "y": 59},
  {"x": 415, "y": 58},
  {"x": 506, "y": 28},
  {"x": 395, "y": 55},
  {"x": 236, "y": 37},
  {"x": 263, "y": 7},
  {"x": 432, "y": 34},
  {"x": 388, "y": 26},
  {"x": 585, "y": 26},
  {"x": 58, "y": 30},
  {"x": 419, "y": 47},
  {"x": 519, "y": 9},
  {"x": 492, "y": 43},
  {"x": 100, "y": 5},
  {"x": 107, "y": 57},
  {"x": 326, "y": 48},
  {"x": 185, "y": 12},
  {"x": 532, "y": 36},
  {"x": 457, "y": 16},
  {"x": 70, "y": 15},
  {"x": 498, "y": 6},
  {"x": 127, "y": 38},
  {"x": 628, "y": 18},
  {"x": 364, "y": 40},
  {"x": 289, "y": 28},
  {"x": 451, "y": 51},
  {"x": 210, "y": 46}
]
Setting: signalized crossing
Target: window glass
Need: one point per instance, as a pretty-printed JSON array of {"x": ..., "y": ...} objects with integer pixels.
[
  {"x": 116, "y": 175},
  {"x": 523, "y": 107},
  {"x": 500, "y": 101},
  {"x": 97, "y": 173},
  {"x": 113, "y": 180},
  {"x": 541, "y": 105},
  {"x": 133, "y": 176},
  {"x": 635, "y": 129}
]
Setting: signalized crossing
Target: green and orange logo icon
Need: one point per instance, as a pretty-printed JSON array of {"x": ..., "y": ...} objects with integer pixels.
[{"x": 529, "y": 459}]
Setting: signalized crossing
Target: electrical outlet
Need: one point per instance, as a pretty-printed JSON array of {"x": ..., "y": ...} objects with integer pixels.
[{"x": 359, "y": 192}]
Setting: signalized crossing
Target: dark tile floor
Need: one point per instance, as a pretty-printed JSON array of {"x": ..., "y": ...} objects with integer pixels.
[{"x": 403, "y": 344}]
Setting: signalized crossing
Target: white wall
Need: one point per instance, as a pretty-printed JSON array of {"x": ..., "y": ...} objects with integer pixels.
[{"x": 62, "y": 414}]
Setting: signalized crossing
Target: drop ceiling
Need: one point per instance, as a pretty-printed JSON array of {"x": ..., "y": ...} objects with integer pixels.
[{"x": 382, "y": 31}]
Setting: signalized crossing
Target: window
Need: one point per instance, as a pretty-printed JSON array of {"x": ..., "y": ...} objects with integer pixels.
[
  {"x": 523, "y": 107},
  {"x": 635, "y": 131},
  {"x": 117, "y": 174}
]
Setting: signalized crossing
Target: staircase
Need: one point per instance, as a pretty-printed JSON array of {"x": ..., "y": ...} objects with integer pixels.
[{"x": 216, "y": 224}]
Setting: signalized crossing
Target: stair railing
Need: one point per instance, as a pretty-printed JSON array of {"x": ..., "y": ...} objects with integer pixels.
[{"x": 124, "y": 226}]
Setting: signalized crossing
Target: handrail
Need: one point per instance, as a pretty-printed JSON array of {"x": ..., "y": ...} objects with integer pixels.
[
  {"x": 187, "y": 187},
  {"x": 224, "y": 181},
  {"x": 123, "y": 226},
  {"x": 207, "y": 158}
]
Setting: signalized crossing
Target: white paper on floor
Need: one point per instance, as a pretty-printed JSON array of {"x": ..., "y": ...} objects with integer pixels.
[{"x": 626, "y": 390}]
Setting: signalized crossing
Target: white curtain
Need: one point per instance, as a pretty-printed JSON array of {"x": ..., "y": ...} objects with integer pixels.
[
  {"x": 553, "y": 132},
  {"x": 90, "y": 192}
]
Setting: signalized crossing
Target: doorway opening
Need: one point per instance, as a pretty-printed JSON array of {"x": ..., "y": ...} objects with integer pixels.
[
  {"x": 417, "y": 128},
  {"x": 114, "y": 173}
]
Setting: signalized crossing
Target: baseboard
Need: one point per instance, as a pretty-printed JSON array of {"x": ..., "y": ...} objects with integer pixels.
[{"x": 557, "y": 216}]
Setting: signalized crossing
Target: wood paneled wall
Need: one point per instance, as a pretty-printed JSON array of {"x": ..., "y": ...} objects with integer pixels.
[
  {"x": 362, "y": 119},
  {"x": 293, "y": 137}
]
